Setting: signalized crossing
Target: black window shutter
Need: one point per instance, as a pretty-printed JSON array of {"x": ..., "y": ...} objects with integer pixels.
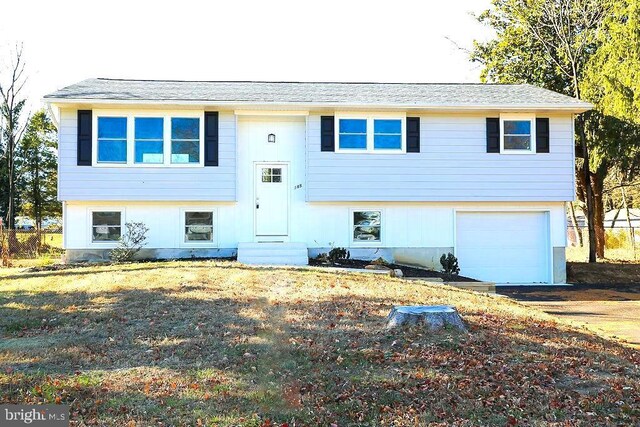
[
  {"x": 413, "y": 134},
  {"x": 542, "y": 135},
  {"x": 84, "y": 137},
  {"x": 211, "y": 138},
  {"x": 493, "y": 135},
  {"x": 327, "y": 133}
]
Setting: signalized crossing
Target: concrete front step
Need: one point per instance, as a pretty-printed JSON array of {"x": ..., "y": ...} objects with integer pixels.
[{"x": 273, "y": 253}]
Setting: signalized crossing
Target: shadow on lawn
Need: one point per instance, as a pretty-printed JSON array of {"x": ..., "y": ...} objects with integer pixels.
[{"x": 204, "y": 355}]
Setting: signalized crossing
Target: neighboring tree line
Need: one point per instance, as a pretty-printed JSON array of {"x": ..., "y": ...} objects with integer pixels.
[
  {"x": 588, "y": 49},
  {"x": 28, "y": 153}
]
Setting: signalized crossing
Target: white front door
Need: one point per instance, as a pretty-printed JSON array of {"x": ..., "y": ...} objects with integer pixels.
[{"x": 271, "y": 201}]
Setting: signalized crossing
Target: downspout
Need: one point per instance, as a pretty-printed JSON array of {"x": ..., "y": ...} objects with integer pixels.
[{"x": 52, "y": 115}]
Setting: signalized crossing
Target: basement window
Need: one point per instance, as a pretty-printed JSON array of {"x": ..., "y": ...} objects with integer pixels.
[
  {"x": 106, "y": 226},
  {"x": 367, "y": 226},
  {"x": 198, "y": 226}
]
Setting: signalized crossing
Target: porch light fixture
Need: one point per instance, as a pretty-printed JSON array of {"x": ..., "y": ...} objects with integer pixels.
[{"x": 271, "y": 138}]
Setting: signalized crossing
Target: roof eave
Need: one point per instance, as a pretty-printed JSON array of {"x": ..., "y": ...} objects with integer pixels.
[{"x": 576, "y": 108}]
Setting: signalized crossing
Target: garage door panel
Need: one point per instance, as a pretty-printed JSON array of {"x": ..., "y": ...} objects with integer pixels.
[{"x": 505, "y": 247}]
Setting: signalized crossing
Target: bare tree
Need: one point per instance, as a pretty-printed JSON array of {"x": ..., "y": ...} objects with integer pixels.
[{"x": 12, "y": 102}]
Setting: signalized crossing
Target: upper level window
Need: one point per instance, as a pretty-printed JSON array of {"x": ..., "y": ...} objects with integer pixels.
[
  {"x": 517, "y": 135},
  {"x": 370, "y": 134},
  {"x": 112, "y": 139},
  {"x": 387, "y": 134},
  {"x": 185, "y": 140},
  {"x": 149, "y": 140},
  {"x": 353, "y": 134}
]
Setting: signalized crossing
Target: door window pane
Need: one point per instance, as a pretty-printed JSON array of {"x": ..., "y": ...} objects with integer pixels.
[{"x": 271, "y": 174}]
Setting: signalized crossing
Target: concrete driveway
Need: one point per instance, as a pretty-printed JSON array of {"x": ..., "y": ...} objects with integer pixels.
[{"x": 611, "y": 310}]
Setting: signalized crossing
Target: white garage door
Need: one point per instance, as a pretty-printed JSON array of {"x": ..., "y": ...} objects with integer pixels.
[{"x": 503, "y": 247}]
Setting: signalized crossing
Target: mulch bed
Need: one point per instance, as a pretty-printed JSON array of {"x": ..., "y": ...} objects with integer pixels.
[{"x": 410, "y": 272}]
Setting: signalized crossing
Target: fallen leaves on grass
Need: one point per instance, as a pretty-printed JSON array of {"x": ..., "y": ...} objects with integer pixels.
[{"x": 231, "y": 345}]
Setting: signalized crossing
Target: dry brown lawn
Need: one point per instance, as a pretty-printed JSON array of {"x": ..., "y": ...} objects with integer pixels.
[{"x": 217, "y": 343}]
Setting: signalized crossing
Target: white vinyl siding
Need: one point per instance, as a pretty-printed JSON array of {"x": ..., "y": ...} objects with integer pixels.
[
  {"x": 452, "y": 165},
  {"x": 146, "y": 182}
]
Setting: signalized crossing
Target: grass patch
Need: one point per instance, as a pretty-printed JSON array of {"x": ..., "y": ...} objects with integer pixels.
[{"x": 218, "y": 343}]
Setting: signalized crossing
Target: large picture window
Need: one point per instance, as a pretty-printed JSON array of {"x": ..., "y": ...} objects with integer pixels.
[
  {"x": 367, "y": 226},
  {"x": 112, "y": 139},
  {"x": 106, "y": 226},
  {"x": 185, "y": 140},
  {"x": 198, "y": 226},
  {"x": 149, "y": 140},
  {"x": 370, "y": 134}
]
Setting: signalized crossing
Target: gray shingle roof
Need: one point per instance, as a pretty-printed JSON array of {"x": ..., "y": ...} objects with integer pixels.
[{"x": 334, "y": 94}]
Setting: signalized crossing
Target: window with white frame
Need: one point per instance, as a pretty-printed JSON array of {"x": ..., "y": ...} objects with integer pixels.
[
  {"x": 352, "y": 134},
  {"x": 112, "y": 140},
  {"x": 198, "y": 226},
  {"x": 387, "y": 134},
  {"x": 185, "y": 140},
  {"x": 518, "y": 134},
  {"x": 106, "y": 226},
  {"x": 149, "y": 140},
  {"x": 367, "y": 226},
  {"x": 370, "y": 134}
]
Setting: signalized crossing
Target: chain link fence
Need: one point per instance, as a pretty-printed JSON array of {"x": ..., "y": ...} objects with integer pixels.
[{"x": 20, "y": 244}]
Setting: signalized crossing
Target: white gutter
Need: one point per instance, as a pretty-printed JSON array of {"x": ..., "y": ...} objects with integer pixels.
[{"x": 578, "y": 107}]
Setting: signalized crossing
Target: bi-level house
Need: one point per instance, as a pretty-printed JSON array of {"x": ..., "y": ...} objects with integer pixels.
[{"x": 274, "y": 172}]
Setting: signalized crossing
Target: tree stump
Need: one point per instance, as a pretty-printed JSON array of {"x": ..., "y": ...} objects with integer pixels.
[{"x": 434, "y": 317}]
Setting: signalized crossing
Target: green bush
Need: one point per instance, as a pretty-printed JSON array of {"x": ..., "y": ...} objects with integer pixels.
[{"x": 450, "y": 266}]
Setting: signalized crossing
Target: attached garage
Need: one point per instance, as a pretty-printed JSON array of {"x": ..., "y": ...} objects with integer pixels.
[{"x": 504, "y": 247}]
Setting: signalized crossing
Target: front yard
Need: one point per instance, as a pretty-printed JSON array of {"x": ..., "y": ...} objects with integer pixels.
[{"x": 217, "y": 343}]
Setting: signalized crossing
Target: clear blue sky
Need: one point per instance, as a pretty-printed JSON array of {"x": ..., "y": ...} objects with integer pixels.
[{"x": 346, "y": 40}]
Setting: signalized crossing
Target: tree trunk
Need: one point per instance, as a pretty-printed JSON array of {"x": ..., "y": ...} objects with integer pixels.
[
  {"x": 585, "y": 177},
  {"x": 632, "y": 234},
  {"x": 597, "y": 186},
  {"x": 433, "y": 317},
  {"x": 574, "y": 224}
]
